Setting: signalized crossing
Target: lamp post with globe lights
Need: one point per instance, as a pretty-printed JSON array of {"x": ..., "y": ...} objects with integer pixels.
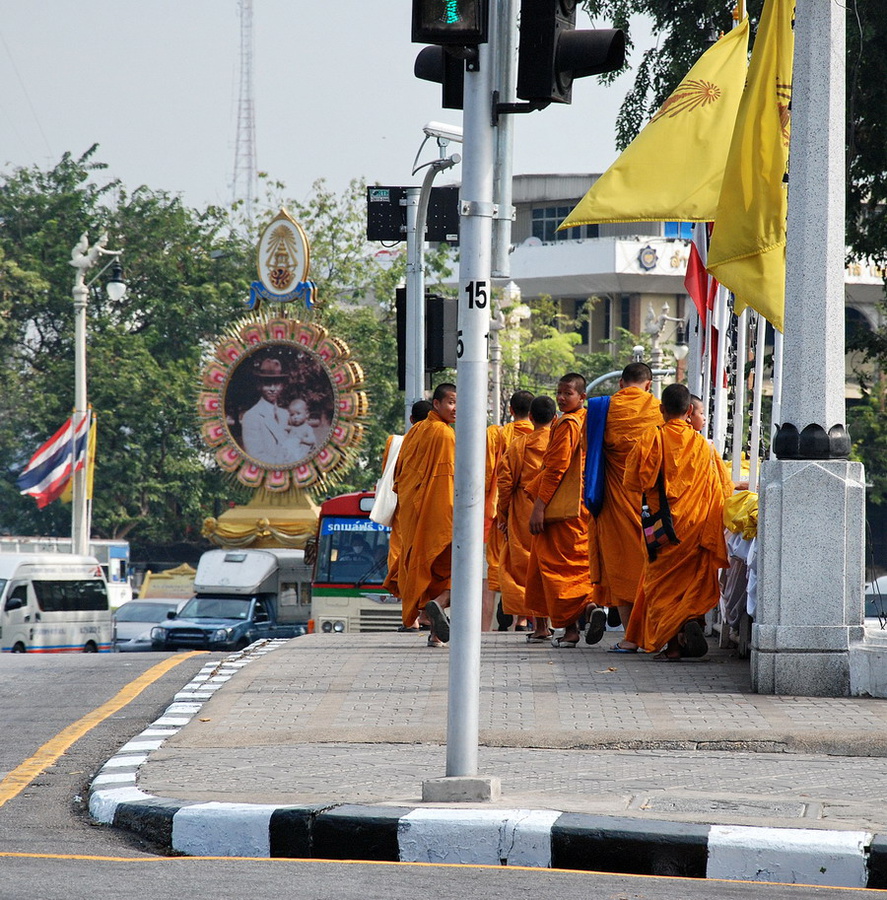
[{"x": 83, "y": 258}]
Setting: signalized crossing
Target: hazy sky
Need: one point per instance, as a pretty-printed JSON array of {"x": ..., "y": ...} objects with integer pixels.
[{"x": 155, "y": 84}]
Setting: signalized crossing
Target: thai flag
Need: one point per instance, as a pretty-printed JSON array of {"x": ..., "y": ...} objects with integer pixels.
[
  {"x": 699, "y": 284},
  {"x": 51, "y": 467}
]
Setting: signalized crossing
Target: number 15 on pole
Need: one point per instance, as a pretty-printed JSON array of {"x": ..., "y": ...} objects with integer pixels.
[{"x": 473, "y": 335}]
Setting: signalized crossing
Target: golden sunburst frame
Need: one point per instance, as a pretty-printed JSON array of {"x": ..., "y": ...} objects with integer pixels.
[{"x": 281, "y": 408}]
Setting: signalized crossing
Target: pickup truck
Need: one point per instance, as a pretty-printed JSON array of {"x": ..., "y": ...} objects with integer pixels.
[{"x": 241, "y": 596}]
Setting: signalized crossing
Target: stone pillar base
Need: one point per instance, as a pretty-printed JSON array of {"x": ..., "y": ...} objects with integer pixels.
[
  {"x": 461, "y": 789},
  {"x": 811, "y": 531}
]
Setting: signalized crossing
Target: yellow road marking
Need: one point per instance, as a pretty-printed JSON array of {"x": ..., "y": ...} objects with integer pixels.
[
  {"x": 181, "y": 860},
  {"x": 21, "y": 776}
]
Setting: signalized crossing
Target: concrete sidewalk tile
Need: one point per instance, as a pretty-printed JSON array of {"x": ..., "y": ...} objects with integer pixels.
[
  {"x": 788, "y": 855},
  {"x": 631, "y": 846},
  {"x": 223, "y": 829}
]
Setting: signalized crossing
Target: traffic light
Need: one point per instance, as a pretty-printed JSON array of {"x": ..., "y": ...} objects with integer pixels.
[
  {"x": 441, "y": 333},
  {"x": 437, "y": 64},
  {"x": 459, "y": 22},
  {"x": 552, "y": 53}
]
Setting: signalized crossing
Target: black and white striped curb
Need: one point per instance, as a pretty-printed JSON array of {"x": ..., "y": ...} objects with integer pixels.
[{"x": 515, "y": 837}]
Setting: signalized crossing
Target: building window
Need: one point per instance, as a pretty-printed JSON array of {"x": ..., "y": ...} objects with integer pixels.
[
  {"x": 547, "y": 218},
  {"x": 683, "y": 230}
]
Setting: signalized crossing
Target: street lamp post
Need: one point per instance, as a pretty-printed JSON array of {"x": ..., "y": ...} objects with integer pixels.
[{"x": 83, "y": 258}]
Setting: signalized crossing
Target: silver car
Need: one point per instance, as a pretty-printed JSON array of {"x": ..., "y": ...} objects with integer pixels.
[{"x": 133, "y": 621}]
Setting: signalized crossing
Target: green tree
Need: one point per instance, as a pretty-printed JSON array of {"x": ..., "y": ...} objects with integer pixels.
[{"x": 143, "y": 354}]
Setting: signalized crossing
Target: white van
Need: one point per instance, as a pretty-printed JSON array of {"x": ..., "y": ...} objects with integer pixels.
[{"x": 53, "y": 603}]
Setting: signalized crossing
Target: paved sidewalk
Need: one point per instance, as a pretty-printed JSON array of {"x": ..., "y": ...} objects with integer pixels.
[{"x": 615, "y": 739}]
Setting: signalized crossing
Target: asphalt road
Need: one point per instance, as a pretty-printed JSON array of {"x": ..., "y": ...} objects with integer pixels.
[
  {"x": 50, "y": 850},
  {"x": 42, "y": 695}
]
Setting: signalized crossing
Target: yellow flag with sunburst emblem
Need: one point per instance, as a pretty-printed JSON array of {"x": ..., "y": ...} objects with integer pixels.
[
  {"x": 674, "y": 168},
  {"x": 747, "y": 251}
]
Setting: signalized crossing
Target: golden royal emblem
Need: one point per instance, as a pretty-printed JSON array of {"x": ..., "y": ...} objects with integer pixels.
[{"x": 689, "y": 96}]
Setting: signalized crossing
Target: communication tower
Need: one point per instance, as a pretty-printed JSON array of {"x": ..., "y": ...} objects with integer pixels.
[{"x": 245, "y": 170}]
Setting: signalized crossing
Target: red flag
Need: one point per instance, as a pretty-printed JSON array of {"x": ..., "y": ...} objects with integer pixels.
[{"x": 699, "y": 284}]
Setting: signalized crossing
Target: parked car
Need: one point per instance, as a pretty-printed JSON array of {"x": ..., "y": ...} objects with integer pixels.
[{"x": 133, "y": 621}]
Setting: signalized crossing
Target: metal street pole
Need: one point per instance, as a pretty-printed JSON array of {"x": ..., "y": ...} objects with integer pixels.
[
  {"x": 83, "y": 257},
  {"x": 477, "y": 212},
  {"x": 414, "y": 364},
  {"x": 417, "y": 201}
]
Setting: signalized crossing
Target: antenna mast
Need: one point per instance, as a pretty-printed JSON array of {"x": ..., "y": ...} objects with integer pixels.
[{"x": 245, "y": 170}]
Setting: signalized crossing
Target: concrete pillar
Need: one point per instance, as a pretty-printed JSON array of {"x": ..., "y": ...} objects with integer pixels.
[{"x": 812, "y": 510}]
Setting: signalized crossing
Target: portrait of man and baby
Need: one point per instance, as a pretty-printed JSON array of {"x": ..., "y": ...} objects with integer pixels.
[{"x": 279, "y": 405}]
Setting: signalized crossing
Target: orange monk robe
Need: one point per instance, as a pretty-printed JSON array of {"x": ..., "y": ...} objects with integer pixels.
[
  {"x": 558, "y": 566},
  {"x": 682, "y": 582},
  {"x": 423, "y": 481},
  {"x": 520, "y": 464},
  {"x": 616, "y": 549},
  {"x": 499, "y": 438}
]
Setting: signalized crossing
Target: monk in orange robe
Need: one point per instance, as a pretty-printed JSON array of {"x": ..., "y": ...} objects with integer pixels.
[
  {"x": 418, "y": 413},
  {"x": 615, "y": 542},
  {"x": 520, "y": 464},
  {"x": 681, "y": 584},
  {"x": 423, "y": 481},
  {"x": 558, "y": 566},
  {"x": 499, "y": 438}
]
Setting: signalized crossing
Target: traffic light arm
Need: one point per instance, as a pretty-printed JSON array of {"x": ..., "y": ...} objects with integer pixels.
[{"x": 507, "y": 109}]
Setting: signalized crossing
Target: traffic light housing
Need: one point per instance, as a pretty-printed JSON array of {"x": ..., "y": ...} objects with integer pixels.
[
  {"x": 459, "y": 22},
  {"x": 441, "y": 333},
  {"x": 552, "y": 53},
  {"x": 438, "y": 64}
]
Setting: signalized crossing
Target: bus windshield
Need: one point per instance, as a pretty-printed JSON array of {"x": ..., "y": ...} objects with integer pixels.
[{"x": 351, "y": 550}]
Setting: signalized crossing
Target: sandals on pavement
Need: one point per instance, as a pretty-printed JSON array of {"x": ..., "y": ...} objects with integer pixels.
[
  {"x": 694, "y": 643},
  {"x": 597, "y": 626},
  {"x": 440, "y": 624},
  {"x": 618, "y": 648},
  {"x": 560, "y": 644},
  {"x": 539, "y": 638},
  {"x": 435, "y": 642}
]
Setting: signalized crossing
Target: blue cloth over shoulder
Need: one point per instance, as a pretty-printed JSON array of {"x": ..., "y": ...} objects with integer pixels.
[{"x": 596, "y": 421}]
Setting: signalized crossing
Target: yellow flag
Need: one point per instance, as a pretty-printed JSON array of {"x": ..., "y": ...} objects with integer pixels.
[
  {"x": 747, "y": 252},
  {"x": 673, "y": 169},
  {"x": 67, "y": 495}
]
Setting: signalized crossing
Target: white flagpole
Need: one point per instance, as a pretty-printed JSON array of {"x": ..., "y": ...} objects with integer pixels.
[
  {"x": 776, "y": 417},
  {"x": 720, "y": 314},
  {"x": 755, "y": 440},
  {"x": 739, "y": 401}
]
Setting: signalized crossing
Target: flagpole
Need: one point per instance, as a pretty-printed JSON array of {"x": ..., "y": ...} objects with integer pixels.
[
  {"x": 776, "y": 413},
  {"x": 739, "y": 404},
  {"x": 719, "y": 419},
  {"x": 754, "y": 452}
]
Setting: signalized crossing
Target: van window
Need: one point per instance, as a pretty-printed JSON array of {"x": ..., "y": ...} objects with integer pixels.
[{"x": 70, "y": 596}]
